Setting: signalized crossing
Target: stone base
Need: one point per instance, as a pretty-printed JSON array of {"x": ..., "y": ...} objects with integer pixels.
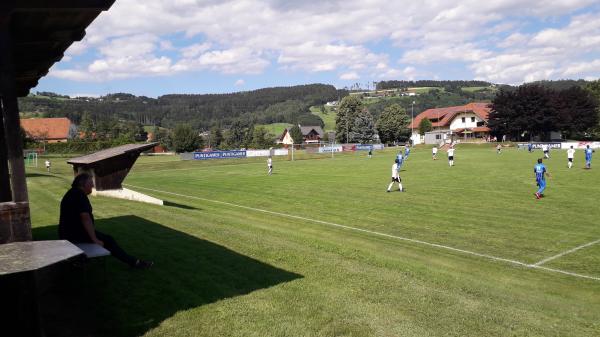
[
  {"x": 15, "y": 223},
  {"x": 128, "y": 195}
]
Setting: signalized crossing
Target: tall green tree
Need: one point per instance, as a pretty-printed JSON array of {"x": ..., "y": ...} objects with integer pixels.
[
  {"x": 577, "y": 112},
  {"x": 161, "y": 136},
  {"x": 425, "y": 126},
  {"x": 392, "y": 125},
  {"x": 86, "y": 126},
  {"x": 530, "y": 110},
  {"x": 236, "y": 134},
  {"x": 248, "y": 136},
  {"x": 262, "y": 139},
  {"x": 185, "y": 139},
  {"x": 216, "y": 137},
  {"x": 363, "y": 129},
  {"x": 594, "y": 88},
  {"x": 349, "y": 108},
  {"x": 296, "y": 134}
]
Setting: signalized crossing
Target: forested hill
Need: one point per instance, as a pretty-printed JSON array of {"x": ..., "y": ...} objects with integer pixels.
[
  {"x": 263, "y": 106},
  {"x": 448, "y": 85}
]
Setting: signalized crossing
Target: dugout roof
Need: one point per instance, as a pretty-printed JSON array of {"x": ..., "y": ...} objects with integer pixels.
[{"x": 41, "y": 31}]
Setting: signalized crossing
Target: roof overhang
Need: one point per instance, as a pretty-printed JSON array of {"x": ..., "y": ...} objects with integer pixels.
[{"x": 42, "y": 30}]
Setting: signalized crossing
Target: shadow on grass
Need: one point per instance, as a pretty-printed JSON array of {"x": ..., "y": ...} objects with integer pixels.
[
  {"x": 173, "y": 204},
  {"x": 36, "y": 175},
  {"x": 188, "y": 272}
]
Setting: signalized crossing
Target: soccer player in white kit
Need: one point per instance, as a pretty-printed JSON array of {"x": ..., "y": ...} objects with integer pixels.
[
  {"x": 570, "y": 156},
  {"x": 395, "y": 178},
  {"x": 270, "y": 165},
  {"x": 450, "y": 156},
  {"x": 434, "y": 153},
  {"x": 546, "y": 150}
]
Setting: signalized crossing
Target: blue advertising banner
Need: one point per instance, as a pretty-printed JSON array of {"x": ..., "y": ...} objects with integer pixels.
[
  {"x": 219, "y": 155},
  {"x": 539, "y": 145},
  {"x": 367, "y": 147}
]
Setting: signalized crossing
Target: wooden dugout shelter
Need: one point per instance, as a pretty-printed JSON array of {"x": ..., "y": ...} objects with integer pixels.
[
  {"x": 109, "y": 167},
  {"x": 34, "y": 35}
]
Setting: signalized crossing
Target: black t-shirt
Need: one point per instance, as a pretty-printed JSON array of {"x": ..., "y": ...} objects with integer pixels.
[{"x": 70, "y": 226}]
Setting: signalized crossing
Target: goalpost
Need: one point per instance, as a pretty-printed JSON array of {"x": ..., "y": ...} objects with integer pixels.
[{"x": 31, "y": 159}]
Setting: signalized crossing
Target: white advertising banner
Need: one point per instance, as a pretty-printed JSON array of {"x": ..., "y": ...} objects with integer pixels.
[
  {"x": 257, "y": 153},
  {"x": 266, "y": 153},
  {"x": 580, "y": 145}
]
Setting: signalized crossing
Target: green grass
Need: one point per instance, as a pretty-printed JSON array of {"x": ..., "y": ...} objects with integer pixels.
[
  {"x": 275, "y": 129},
  {"x": 240, "y": 253},
  {"x": 424, "y": 90},
  {"x": 150, "y": 128},
  {"x": 475, "y": 89},
  {"x": 328, "y": 118}
]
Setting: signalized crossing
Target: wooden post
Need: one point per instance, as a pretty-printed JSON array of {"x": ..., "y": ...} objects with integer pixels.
[
  {"x": 15, "y": 220},
  {"x": 5, "y": 192},
  {"x": 10, "y": 110}
]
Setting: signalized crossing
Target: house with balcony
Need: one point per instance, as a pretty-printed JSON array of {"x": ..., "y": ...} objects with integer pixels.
[
  {"x": 468, "y": 122},
  {"x": 310, "y": 135}
]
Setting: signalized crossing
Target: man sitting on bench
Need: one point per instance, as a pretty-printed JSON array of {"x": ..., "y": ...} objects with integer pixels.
[{"x": 77, "y": 222}]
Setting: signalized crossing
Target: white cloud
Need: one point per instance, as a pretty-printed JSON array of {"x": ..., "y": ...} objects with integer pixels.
[
  {"x": 583, "y": 68},
  {"x": 247, "y": 36},
  {"x": 349, "y": 76},
  {"x": 195, "y": 50},
  {"x": 239, "y": 83}
]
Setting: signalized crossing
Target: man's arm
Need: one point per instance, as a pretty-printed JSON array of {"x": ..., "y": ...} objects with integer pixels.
[{"x": 86, "y": 220}]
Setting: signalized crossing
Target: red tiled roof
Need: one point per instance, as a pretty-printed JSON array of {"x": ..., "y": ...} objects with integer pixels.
[
  {"x": 481, "y": 129},
  {"x": 47, "y": 128},
  {"x": 445, "y": 115}
]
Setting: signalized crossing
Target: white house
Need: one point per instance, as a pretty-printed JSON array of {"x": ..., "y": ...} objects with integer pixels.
[{"x": 465, "y": 121}]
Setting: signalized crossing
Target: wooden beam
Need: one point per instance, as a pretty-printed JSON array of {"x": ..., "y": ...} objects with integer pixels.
[
  {"x": 38, "y": 37},
  {"x": 5, "y": 192},
  {"x": 10, "y": 110},
  {"x": 29, "y": 5}
]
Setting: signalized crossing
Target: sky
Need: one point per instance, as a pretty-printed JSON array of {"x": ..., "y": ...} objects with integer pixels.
[{"x": 158, "y": 47}]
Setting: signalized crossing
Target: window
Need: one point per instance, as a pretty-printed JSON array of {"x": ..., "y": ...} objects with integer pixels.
[
  {"x": 463, "y": 119},
  {"x": 438, "y": 136},
  {"x": 472, "y": 119}
]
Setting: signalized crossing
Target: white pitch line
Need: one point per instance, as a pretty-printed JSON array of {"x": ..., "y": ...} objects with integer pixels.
[
  {"x": 564, "y": 253},
  {"x": 490, "y": 257}
]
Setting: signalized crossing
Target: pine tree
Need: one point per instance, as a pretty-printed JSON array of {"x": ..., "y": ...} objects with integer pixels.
[
  {"x": 296, "y": 134},
  {"x": 393, "y": 124},
  {"x": 349, "y": 108},
  {"x": 363, "y": 128}
]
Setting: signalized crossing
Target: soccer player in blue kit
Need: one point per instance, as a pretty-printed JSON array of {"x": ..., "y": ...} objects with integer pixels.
[
  {"x": 406, "y": 152},
  {"x": 588, "y": 157},
  {"x": 399, "y": 160},
  {"x": 540, "y": 172}
]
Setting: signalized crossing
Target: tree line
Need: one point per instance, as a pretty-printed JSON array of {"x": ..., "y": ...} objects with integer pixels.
[
  {"x": 535, "y": 110},
  {"x": 263, "y": 106}
]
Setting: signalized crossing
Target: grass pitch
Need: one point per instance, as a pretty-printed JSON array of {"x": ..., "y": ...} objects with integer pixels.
[{"x": 320, "y": 249}]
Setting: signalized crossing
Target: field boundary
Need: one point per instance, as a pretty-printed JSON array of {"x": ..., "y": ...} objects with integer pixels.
[
  {"x": 541, "y": 262},
  {"x": 467, "y": 252}
]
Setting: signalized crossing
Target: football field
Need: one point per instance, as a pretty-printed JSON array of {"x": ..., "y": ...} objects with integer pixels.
[{"x": 320, "y": 249}]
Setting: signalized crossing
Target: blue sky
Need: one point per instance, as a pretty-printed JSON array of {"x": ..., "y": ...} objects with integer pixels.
[{"x": 158, "y": 47}]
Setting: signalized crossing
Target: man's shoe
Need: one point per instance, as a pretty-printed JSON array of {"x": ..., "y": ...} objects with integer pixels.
[
  {"x": 537, "y": 195},
  {"x": 141, "y": 264}
]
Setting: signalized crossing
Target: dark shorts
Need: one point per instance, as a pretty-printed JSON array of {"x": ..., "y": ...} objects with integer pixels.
[
  {"x": 450, "y": 157},
  {"x": 396, "y": 180},
  {"x": 571, "y": 160}
]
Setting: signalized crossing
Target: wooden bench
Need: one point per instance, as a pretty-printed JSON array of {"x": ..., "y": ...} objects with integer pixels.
[{"x": 92, "y": 250}]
